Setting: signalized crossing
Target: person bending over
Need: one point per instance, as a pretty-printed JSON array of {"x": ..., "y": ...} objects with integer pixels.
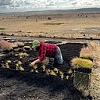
[{"x": 47, "y": 50}]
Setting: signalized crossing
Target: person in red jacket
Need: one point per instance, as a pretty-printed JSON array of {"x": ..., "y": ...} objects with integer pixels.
[{"x": 47, "y": 50}]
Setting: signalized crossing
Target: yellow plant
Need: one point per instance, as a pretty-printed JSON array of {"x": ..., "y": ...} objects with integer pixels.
[
  {"x": 19, "y": 62},
  {"x": 86, "y": 56},
  {"x": 67, "y": 77},
  {"x": 43, "y": 67},
  {"x": 21, "y": 68},
  {"x": 56, "y": 70},
  {"x": 36, "y": 71},
  {"x": 61, "y": 74},
  {"x": 86, "y": 53},
  {"x": 81, "y": 63},
  {"x": 35, "y": 67},
  {"x": 28, "y": 47},
  {"x": 7, "y": 65},
  {"x": 8, "y": 61},
  {"x": 52, "y": 73},
  {"x": 70, "y": 71},
  {"x": 47, "y": 71},
  {"x": 21, "y": 54}
]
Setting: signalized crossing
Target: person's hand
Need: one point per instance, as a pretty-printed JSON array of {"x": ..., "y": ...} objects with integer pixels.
[{"x": 32, "y": 64}]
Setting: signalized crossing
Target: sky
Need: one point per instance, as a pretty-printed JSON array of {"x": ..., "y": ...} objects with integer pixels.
[{"x": 37, "y": 5}]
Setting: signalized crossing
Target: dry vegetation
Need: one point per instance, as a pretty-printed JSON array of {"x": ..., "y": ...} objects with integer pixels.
[
  {"x": 95, "y": 83},
  {"x": 62, "y": 25}
]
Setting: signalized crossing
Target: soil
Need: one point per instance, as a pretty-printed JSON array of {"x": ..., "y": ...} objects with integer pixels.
[{"x": 25, "y": 85}]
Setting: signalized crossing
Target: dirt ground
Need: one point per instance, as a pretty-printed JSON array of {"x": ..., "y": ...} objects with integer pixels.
[
  {"x": 20, "y": 85},
  {"x": 62, "y": 25},
  {"x": 15, "y": 85}
]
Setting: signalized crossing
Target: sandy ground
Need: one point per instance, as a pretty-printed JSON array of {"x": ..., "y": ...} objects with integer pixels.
[{"x": 70, "y": 24}]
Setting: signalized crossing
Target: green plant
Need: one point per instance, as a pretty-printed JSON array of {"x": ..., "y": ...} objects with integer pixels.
[
  {"x": 53, "y": 23},
  {"x": 57, "y": 14},
  {"x": 81, "y": 63},
  {"x": 2, "y": 28}
]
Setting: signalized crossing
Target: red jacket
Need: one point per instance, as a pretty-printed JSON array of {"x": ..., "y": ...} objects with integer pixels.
[{"x": 46, "y": 50}]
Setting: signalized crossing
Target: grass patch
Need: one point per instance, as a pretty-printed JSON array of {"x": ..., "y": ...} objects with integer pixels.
[
  {"x": 53, "y": 23},
  {"x": 81, "y": 63},
  {"x": 86, "y": 56},
  {"x": 2, "y": 28},
  {"x": 57, "y": 14},
  {"x": 86, "y": 53}
]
